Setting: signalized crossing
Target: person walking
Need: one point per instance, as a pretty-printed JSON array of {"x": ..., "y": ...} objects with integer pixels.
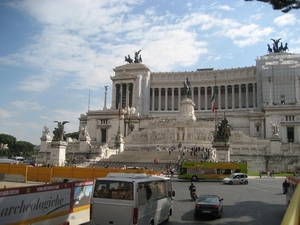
[
  {"x": 273, "y": 173},
  {"x": 168, "y": 171},
  {"x": 172, "y": 171}
]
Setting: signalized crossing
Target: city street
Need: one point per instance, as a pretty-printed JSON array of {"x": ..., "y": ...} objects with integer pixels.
[{"x": 259, "y": 202}]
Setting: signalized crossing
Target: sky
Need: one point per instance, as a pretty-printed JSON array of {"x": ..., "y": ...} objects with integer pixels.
[{"x": 56, "y": 56}]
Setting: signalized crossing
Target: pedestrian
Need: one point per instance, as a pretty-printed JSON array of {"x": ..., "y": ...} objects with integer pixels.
[
  {"x": 172, "y": 171},
  {"x": 260, "y": 174},
  {"x": 269, "y": 173},
  {"x": 168, "y": 172}
]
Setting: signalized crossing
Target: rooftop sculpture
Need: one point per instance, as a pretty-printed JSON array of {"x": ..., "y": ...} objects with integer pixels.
[
  {"x": 276, "y": 48},
  {"x": 137, "y": 58}
]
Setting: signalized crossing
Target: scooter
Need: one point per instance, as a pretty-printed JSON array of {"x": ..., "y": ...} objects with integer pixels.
[{"x": 193, "y": 193}]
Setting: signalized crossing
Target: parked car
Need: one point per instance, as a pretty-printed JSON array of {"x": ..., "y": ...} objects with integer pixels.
[
  {"x": 29, "y": 162},
  {"x": 236, "y": 178},
  {"x": 209, "y": 205}
]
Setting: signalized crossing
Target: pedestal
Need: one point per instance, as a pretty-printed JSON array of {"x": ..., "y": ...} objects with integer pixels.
[
  {"x": 187, "y": 112},
  {"x": 84, "y": 145},
  {"x": 275, "y": 146},
  {"x": 58, "y": 153},
  {"x": 222, "y": 151}
]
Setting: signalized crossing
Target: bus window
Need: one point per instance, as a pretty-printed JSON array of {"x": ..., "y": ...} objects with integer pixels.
[
  {"x": 142, "y": 195},
  {"x": 183, "y": 170},
  {"x": 113, "y": 190},
  {"x": 151, "y": 191}
]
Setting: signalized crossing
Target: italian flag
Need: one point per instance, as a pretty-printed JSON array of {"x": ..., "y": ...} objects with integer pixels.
[{"x": 213, "y": 101}]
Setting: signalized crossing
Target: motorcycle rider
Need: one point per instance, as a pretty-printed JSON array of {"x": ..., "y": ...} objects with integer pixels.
[
  {"x": 192, "y": 189},
  {"x": 285, "y": 186}
]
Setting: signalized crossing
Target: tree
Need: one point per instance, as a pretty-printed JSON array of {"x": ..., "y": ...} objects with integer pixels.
[
  {"x": 283, "y": 5},
  {"x": 73, "y": 135},
  {"x": 22, "y": 148},
  {"x": 6, "y": 139}
]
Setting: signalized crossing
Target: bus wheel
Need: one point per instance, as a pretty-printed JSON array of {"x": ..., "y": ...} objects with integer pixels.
[{"x": 194, "y": 178}]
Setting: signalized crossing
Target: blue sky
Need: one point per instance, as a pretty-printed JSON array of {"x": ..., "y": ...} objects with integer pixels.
[{"x": 54, "y": 53}]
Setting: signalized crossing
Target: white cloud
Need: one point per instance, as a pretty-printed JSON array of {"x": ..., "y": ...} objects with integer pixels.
[
  {"x": 295, "y": 41},
  {"x": 23, "y": 130},
  {"x": 37, "y": 83},
  {"x": 4, "y": 113},
  {"x": 286, "y": 19},
  {"x": 25, "y": 105},
  {"x": 256, "y": 16},
  {"x": 226, "y": 8},
  {"x": 248, "y": 34}
]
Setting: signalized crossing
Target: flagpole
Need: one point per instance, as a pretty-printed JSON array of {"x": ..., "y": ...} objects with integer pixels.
[{"x": 120, "y": 106}]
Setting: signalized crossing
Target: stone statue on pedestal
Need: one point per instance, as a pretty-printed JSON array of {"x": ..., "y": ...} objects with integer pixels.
[
  {"x": 46, "y": 133},
  {"x": 223, "y": 131},
  {"x": 187, "y": 88},
  {"x": 275, "y": 129},
  {"x": 59, "y": 131}
]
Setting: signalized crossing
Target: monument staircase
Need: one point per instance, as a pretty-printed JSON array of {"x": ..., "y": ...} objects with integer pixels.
[{"x": 145, "y": 159}]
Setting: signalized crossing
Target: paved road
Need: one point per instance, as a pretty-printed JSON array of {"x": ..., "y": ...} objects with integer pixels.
[{"x": 259, "y": 202}]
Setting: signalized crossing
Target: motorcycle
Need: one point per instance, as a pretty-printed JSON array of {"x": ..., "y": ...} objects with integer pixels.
[{"x": 193, "y": 193}]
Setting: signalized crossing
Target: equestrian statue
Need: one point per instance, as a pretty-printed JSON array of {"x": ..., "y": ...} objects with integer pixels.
[{"x": 187, "y": 88}]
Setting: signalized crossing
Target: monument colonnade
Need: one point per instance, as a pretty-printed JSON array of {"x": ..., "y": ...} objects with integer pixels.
[{"x": 231, "y": 96}]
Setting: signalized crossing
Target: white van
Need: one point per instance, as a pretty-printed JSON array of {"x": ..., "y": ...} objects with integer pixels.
[
  {"x": 131, "y": 199},
  {"x": 20, "y": 159}
]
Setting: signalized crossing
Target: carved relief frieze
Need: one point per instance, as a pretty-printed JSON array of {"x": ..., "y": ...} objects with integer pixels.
[
  {"x": 140, "y": 138},
  {"x": 236, "y": 137}
]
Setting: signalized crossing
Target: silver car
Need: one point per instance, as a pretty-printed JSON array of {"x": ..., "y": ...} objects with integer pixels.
[{"x": 236, "y": 178}]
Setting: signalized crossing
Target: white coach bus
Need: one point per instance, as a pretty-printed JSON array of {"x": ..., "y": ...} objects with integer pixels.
[
  {"x": 8, "y": 161},
  {"x": 131, "y": 199}
]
